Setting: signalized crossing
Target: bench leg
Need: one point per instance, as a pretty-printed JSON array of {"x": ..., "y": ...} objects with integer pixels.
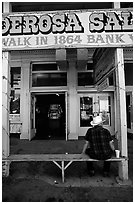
[
  {"x": 123, "y": 170},
  {"x": 62, "y": 168}
]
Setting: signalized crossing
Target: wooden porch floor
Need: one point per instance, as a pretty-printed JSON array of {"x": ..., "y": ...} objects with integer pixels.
[{"x": 18, "y": 146}]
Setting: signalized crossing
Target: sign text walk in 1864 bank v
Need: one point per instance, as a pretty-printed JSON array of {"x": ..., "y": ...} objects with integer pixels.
[{"x": 70, "y": 29}]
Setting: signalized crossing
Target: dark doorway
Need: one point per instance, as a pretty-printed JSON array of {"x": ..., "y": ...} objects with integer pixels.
[
  {"x": 50, "y": 116},
  {"x": 128, "y": 108}
]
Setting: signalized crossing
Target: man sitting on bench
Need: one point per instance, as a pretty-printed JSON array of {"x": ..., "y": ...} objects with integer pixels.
[{"x": 99, "y": 145}]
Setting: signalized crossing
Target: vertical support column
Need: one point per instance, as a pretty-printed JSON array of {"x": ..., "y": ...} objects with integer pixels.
[
  {"x": 62, "y": 168},
  {"x": 115, "y": 115},
  {"x": 5, "y": 108},
  {"x": 5, "y": 101},
  {"x": 24, "y": 104},
  {"x": 121, "y": 112},
  {"x": 72, "y": 101}
]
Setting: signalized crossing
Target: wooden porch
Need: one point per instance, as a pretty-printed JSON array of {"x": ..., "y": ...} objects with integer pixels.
[{"x": 18, "y": 146}]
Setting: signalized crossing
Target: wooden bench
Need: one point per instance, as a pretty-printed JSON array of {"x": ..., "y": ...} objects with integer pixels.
[{"x": 55, "y": 158}]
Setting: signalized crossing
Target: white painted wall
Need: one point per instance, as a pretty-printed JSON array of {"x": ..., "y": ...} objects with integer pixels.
[
  {"x": 5, "y": 102},
  {"x": 121, "y": 112},
  {"x": 24, "y": 102}
]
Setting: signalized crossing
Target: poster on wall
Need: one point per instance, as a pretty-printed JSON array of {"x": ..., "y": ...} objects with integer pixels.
[
  {"x": 104, "y": 110},
  {"x": 64, "y": 29},
  {"x": 105, "y": 117}
]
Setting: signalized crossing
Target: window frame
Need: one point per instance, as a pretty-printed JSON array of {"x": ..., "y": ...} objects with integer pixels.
[
  {"x": 14, "y": 90},
  {"x": 46, "y": 72},
  {"x": 85, "y": 71}
]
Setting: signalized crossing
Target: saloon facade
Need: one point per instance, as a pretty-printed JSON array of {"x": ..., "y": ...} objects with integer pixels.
[{"x": 62, "y": 67}]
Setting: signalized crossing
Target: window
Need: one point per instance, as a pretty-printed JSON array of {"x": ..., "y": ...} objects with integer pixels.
[
  {"x": 90, "y": 66},
  {"x": 95, "y": 105},
  {"x": 128, "y": 67},
  {"x": 105, "y": 109},
  {"x": 86, "y": 111},
  {"x": 48, "y": 75},
  {"x": 86, "y": 78},
  {"x": 43, "y": 67},
  {"x": 15, "y": 90},
  {"x": 111, "y": 80},
  {"x": 49, "y": 79}
]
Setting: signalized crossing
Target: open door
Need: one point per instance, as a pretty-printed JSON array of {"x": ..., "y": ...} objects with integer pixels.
[{"x": 32, "y": 117}]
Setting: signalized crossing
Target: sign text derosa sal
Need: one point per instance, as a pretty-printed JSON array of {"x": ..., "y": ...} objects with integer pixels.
[{"x": 68, "y": 23}]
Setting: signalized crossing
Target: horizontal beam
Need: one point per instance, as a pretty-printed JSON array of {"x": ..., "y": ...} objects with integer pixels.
[{"x": 55, "y": 157}]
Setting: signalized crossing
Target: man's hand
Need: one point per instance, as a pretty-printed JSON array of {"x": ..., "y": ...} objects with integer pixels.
[{"x": 112, "y": 145}]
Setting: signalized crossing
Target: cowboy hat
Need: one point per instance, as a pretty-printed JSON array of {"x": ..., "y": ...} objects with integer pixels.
[{"x": 97, "y": 120}]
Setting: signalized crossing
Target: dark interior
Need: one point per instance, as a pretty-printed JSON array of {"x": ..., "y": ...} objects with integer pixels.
[{"x": 48, "y": 127}]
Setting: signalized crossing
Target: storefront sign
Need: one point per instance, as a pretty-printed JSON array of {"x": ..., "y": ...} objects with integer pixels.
[{"x": 73, "y": 29}]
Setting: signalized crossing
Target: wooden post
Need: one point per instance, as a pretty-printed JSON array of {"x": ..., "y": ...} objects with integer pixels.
[
  {"x": 5, "y": 101},
  {"x": 25, "y": 106},
  {"x": 121, "y": 108},
  {"x": 62, "y": 168},
  {"x": 5, "y": 109},
  {"x": 72, "y": 102},
  {"x": 121, "y": 112}
]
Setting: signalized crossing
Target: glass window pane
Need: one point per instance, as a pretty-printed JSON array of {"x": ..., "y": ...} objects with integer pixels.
[
  {"x": 111, "y": 80},
  {"x": 15, "y": 77},
  {"x": 15, "y": 102},
  {"x": 105, "y": 109},
  {"x": 128, "y": 67},
  {"x": 49, "y": 79},
  {"x": 90, "y": 66},
  {"x": 44, "y": 67},
  {"x": 86, "y": 111},
  {"x": 85, "y": 79},
  {"x": 15, "y": 90}
]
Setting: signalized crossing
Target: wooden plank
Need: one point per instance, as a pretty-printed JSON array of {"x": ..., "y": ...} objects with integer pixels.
[
  {"x": 55, "y": 157},
  {"x": 121, "y": 112},
  {"x": 5, "y": 102}
]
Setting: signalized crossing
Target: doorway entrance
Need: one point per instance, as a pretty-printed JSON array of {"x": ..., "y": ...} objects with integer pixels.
[
  {"x": 129, "y": 109},
  {"x": 50, "y": 116}
]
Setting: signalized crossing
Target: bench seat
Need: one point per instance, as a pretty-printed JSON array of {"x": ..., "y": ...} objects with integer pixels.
[{"x": 55, "y": 158}]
